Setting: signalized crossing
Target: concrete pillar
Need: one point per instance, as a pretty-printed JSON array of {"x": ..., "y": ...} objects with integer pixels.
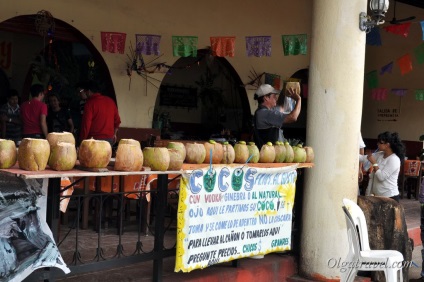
[{"x": 334, "y": 116}]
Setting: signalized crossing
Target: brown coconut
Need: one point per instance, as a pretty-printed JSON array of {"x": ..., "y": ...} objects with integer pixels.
[
  {"x": 129, "y": 141},
  {"x": 229, "y": 154},
  {"x": 254, "y": 152},
  {"x": 267, "y": 153},
  {"x": 129, "y": 157},
  {"x": 33, "y": 154},
  {"x": 157, "y": 158},
  {"x": 213, "y": 150},
  {"x": 310, "y": 156},
  {"x": 55, "y": 137},
  {"x": 94, "y": 153},
  {"x": 175, "y": 159},
  {"x": 241, "y": 151},
  {"x": 63, "y": 156},
  {"x": 179, "y": 146},
  {"x": 195, "y": 153},
  {"x": 8, "y": 154}
]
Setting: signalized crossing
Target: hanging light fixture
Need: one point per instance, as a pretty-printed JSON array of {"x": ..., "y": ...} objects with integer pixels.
[{"x": 378, "y": 12}]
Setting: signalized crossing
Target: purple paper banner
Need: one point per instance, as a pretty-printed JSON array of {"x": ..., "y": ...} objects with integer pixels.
[
  {"x": 147, "y": 44},
  {"x": 399, "y": 91},
  {"x": 387, "y": 68},
  {"x": 258, "y": 46}
]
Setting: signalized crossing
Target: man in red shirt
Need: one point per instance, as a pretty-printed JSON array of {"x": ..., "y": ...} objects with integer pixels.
[
  {"x": 34, "y": 113},
  {"x": 100, "y": 119}
]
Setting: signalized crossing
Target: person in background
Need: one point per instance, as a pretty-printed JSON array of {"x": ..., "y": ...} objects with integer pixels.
[
  {"x": 34, "y": 114},
  {"x": 269, "y": 116},
  {"x": 100, "y": 119},
  {"x": 10, "y": 114},
  {"x": 361, "y": 152},
  {"x": 383, "y": 180},
  {"x": 58, "y": 119}
]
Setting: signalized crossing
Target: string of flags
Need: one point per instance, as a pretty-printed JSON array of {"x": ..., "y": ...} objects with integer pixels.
[
  {"x": 222, "y": 46},
  {"x": 404, "y": 63}
]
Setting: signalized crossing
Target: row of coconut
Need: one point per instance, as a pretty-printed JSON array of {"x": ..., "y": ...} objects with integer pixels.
[{"x": 59, "y": 152}]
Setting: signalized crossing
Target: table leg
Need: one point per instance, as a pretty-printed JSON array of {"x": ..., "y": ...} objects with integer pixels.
[
  {"x": 162, "y": 191},
  {"x": 53, "y": 202},
  {"x": 86, "y": 203}
]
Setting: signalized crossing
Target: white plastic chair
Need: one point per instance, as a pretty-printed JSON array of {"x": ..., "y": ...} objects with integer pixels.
[{"x": 360, "y": 254}]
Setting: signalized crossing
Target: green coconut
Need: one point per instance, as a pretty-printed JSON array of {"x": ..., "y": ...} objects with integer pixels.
[
  {"x": 254, "y": 152},
  {"x": 242, "y": 152},
  {"x": 179, "y": 146},
  {"x": 175, "y": 159},
  {"x": 33, "y": 154},
  {"x": 267, "y": 153},
  {"x": 214, "y": 152},
  {"x": 299, "y": 154},
  {"x": 63, "y": 156},
  {"x": 8, "y": 154},
  {"x": 157, "y": 158},
  {"x": 310, "y": 156},
  {"x": 129, "y": 157},
  {"x": 195, "y": 153},
  {"x": 289, "y": 153},
  {"x": 130, "y": 141},
  {"x": 56, "y": 137},
  {"x": 280, "y": 152}
]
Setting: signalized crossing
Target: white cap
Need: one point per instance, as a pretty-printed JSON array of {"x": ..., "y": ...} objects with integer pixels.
[{"x": 266, "y": 89}]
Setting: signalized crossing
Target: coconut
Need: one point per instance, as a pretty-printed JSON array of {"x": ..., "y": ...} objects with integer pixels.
[
  {"x": 179, "y": 147},
  {"x": 196, "y": 153},
  {"x": 8, "y": 153},
  {"x": 94, "y": 153},
  {"x": 157, "y": 158},
  {"x": 242, "y": 153},
  {"x": 310, "y": 156},
  {"x": 213, "y": 150},
  {"x": 299, "y": 154},
  {"x": 129, "y": 141},
  {"x": 267, "y": 153},
  {"x": 128, "y": 156},
  {"x": 56, "y": 137},
  {"x": 33, "y": 154},
  {"x": 289, "y": 153},
  {"x": 253, "y": 152},
  {"x": 63, "y": 156},
  {"x": 228, "y": 154},
  {"x": 175, "y": 159},
  {"x": 280, "y": 152}
]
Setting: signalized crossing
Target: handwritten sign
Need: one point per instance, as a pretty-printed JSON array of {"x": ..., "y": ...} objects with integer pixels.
[
  {"x": 178, "y": 96},
  {"x": 229, "y": 213}
]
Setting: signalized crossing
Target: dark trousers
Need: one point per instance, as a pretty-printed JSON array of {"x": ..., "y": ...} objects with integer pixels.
[{"x": 422, "y": 238}]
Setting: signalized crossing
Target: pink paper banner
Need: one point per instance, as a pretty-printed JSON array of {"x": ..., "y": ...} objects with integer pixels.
[
  {"x": 399, "y": 29},
  {"x": 113, "y": 42},
  {"x": 379, "y": 94}
]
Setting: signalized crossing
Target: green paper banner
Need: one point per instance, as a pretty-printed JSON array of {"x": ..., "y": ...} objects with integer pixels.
[
  {"x": 372, "y": 79},
  {"x": 184, "y": 46},
  {"x": 295, "y": 44},
  {"x": 419, "y": 53},
  {"x": 419, "y": 94}
]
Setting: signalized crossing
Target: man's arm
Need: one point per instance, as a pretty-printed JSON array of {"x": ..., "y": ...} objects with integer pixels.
[{"x": 292, "y": 117}]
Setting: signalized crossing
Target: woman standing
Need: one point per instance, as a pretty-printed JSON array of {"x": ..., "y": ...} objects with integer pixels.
[{"x": 385, "y": 163}]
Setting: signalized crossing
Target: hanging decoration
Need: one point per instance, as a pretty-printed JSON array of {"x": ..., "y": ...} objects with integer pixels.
[
  {"x": 255, "y": 79},
  {"x": 147, "y": 44},
  {"x": 44, "y": 23},
  {"x": 258, "y": 46},
  {"x": 379, "y": 94},
  {"x": 295, "y": 44},
  {"x": 405, "y": 64},
  {"x": 399, "y": 91},
  {"x": 422, "y": 27},
  {"x": 419, "y": 53},
  {"x": 113, "y": 42},
  {"x": 222, "y": 46},
  {"x": 373, "y": 37},
  {"x": 399, "y": 29},
  {"x": 387, "y": 68},
  {"x": 419, "y": 94},
  {"x": 184, "y": 46},
  {"x": 274, "y": 80},
  {"x": 372, "y": 79}
]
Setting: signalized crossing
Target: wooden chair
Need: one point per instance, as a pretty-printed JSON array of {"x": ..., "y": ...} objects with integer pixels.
[{"x": 411, "y": 173}]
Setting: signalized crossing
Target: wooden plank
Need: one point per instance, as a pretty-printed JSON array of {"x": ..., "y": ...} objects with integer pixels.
[{"x": 260, "y": 165}]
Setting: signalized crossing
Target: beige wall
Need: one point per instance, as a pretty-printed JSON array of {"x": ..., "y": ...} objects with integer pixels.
[
  {"x": 409, "y": 123},
  {"x": 187, "y": 17}
]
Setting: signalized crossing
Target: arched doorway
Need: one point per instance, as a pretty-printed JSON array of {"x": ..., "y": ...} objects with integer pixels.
[
  {"x": 212, "y": 103},
  {"x": 58, "y": 59}
]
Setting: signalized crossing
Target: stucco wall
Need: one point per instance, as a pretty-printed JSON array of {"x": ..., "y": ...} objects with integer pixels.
[{"x": 187, "y": 17}]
